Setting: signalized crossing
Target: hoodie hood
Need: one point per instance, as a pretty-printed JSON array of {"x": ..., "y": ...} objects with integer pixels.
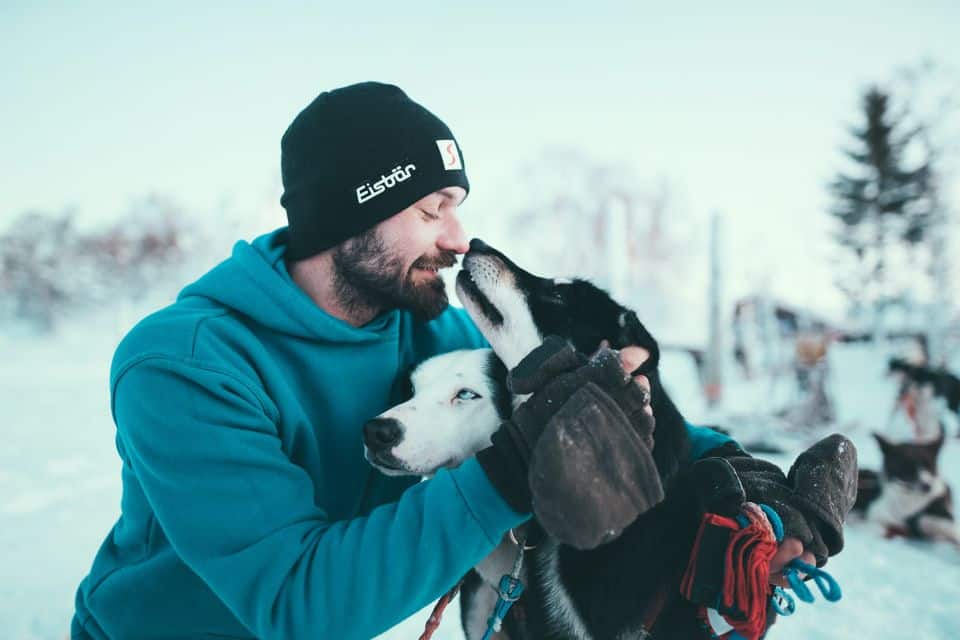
[{"x": 254, "y": 282}]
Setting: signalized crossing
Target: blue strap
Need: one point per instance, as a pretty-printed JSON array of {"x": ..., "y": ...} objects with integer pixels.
[
  {"x": 826, "y": 583},
  {"x": 799, "y": 586},
  {"x": 509, "y": 592},
  {"x": 783, "y": 602},
  {"x": 775, "y": 521}
]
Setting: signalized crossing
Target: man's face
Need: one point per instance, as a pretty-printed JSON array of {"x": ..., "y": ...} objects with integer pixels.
[{"x": 395, "y": 263}]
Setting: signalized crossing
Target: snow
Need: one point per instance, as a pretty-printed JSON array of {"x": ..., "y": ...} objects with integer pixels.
[{"x": 60, "y": 490}]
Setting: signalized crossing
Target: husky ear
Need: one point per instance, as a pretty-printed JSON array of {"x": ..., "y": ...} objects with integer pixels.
[
  {"x": 633, "y": 332},
  {"x": 936, "y": 445},
  {"x": 885, "y": 445},
  {"x": 403, "y": 386}
]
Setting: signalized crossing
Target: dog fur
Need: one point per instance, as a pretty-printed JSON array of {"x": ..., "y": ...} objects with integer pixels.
[
  {"x": 606, "y": 592},
  {"x": 936, "y": 382},
  {"x": 908, "y": 497}
]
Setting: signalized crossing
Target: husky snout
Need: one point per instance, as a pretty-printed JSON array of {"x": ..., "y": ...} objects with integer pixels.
[{"x": 382, "y": 434}]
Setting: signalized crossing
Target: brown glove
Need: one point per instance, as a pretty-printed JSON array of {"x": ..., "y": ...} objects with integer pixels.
[
  {"x": 814, "y": 498},
  {"x": 548, "y": 370},
  {"x": 556, "y": 375},
  {"x": 592, "y": 472}
]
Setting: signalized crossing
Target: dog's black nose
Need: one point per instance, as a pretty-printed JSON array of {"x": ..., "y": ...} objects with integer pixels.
[
  {"x": 479, "y": 246},
  {"x": 381, "y": 434}
]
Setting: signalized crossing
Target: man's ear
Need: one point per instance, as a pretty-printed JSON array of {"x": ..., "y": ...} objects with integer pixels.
[{"x": 633, "y": 332}]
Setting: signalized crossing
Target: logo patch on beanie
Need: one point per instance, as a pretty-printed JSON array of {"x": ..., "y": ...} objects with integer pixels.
[
  {"x": 450, "y": 154},
  {"x": 368, "y": 191}
]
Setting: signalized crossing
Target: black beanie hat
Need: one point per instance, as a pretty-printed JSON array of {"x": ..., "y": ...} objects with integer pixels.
[{"x": 356, "y": 156}]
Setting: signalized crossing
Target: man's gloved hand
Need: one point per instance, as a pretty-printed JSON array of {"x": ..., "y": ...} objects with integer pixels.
[
  {"x": 584, "y": 482},
  {"x": 507, "y": 461},
  {"x": 813, "y": 499},
  {"x": 812, "y": 502},
  {"x": 592, "y": 472},
  {"x": 557, "y": 368}
]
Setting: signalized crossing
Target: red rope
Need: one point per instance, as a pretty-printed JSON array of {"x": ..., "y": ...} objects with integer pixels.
[
  {"x": 434, "y": 620},
  {"x": 746, "y": 575}
]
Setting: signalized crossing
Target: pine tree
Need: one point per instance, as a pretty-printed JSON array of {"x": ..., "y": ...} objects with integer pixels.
[{"x": 883, "y": 202}]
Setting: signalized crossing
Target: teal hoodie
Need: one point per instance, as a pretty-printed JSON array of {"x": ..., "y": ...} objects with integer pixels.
[{"x": 248, "y": 509}]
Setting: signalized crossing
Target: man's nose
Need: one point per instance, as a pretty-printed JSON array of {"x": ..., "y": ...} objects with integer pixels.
[{"x": 453, "y": 238}]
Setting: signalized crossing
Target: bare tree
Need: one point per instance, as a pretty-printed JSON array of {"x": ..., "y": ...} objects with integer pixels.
[
  {"x": 577, "y": 216},
  {"x": 48, "y": 267}
]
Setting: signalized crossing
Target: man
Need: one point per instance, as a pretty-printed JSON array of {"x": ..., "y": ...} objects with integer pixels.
[{"x": 248, "y": 509}]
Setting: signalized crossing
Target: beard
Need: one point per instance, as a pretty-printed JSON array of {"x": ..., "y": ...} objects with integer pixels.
[{"x": 368, "y": 275}]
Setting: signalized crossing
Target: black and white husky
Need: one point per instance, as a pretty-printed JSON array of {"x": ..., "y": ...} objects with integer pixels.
[
  {"x": 937, "y": 386},
  {"x": 458, "y": 401},
  {"x": 908, "y": 497}
]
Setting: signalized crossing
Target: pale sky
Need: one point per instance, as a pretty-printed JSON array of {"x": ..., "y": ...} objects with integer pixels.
[{"x": 740, "y": 106}]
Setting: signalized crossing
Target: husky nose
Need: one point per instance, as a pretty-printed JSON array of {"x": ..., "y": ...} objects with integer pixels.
[
  {"x": 479, "y": 246},
  {"x": 381, "y": 434}
]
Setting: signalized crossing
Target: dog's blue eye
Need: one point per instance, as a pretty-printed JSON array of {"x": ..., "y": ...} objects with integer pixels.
[{"x": 467, "y": 394}]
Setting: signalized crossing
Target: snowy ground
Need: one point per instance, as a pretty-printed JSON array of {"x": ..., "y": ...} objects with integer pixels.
[{"x": 60, "y": 492}]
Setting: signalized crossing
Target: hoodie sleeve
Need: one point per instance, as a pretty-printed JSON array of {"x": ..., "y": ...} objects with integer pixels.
[
  {"x": 704, "y": 440},
  {"x": 244, "y": 517}
]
